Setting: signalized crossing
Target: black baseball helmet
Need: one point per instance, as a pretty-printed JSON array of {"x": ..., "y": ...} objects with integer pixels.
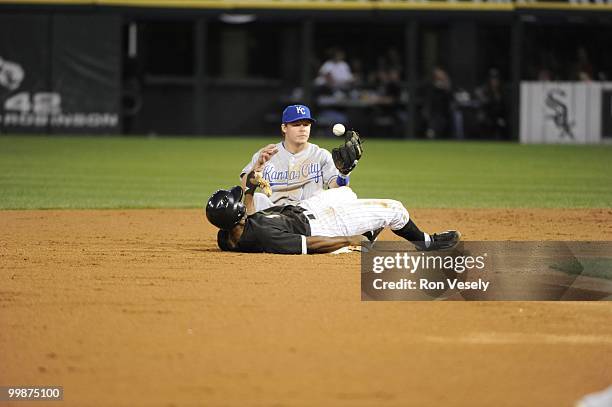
[{"x": 225, "y": 208}]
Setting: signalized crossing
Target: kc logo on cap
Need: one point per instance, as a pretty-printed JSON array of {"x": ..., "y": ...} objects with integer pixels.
[{"x": 294, "y": 113}]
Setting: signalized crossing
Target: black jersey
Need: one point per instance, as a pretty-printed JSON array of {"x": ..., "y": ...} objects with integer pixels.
[{"x": 279, "y": 229}]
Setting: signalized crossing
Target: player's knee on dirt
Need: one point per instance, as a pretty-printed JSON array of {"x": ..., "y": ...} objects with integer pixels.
[{"x": 400, "y": 214}]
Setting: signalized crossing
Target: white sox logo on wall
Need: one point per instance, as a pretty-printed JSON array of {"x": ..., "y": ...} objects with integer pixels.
[
  {"x": 40, "y": 109},
  {"x": 560, "y": 116},
  {"x": 11, "y": 74}
]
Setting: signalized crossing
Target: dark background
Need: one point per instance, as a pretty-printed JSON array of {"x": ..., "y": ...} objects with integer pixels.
[{"x": 187, "y": 72}]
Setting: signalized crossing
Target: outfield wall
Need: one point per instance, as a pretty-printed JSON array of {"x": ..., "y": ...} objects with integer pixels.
[
  {"x": 565, "y": 112},
  {"x": 336, "y": 5},
  {"x": 60, "y": 73},
  {"x": 190, "y": 67}
]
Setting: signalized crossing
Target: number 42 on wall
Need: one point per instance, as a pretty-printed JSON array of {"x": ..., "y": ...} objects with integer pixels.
[{"x": 41, "y": 103}]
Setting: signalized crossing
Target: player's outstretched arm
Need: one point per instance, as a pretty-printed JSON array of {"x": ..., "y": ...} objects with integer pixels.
[
  {"x": 348, "y": 154},
  {"x": 249, "y": 186},
  {"x": 324, "y": 244},
  {"x": 346, "y": 157}
]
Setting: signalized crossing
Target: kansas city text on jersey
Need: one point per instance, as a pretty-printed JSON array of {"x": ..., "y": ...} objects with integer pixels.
[{"x": 308, "y": 171}]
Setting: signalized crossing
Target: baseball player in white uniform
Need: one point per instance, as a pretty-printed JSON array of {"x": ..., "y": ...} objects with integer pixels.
[
  {"x": 295, "y": 168},
  {"x": 326, "y": 222}
]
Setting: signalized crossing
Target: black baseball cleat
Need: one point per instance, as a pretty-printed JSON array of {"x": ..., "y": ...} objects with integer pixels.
[{"x": 440, "y": 241}]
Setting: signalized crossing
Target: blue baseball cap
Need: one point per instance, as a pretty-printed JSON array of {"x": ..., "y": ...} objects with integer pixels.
[{"x": 294, "y": 113}]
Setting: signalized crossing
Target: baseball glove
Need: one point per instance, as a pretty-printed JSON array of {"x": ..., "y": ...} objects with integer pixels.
[
  {"x": 256, "y": 180},
  {"x": 263, "y": 183},
  {"x": 346, "y": 156}
]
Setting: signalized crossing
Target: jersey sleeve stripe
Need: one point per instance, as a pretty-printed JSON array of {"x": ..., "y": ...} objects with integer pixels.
[{"x": 331, "y": 179}]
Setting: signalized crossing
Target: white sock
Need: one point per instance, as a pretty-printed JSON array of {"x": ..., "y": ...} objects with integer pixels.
[{"x": 427, "y": 239}]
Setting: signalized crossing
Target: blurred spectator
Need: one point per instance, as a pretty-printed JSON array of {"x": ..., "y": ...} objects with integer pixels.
[
  {"x": 394, "y": 60},
  {"x": 544, "y": 67},
  {"x": 583, "y": 77},
  {"x": 392, "y": 107},
  {"x": 358, "y": 72},
  {"x": 375, "y": 76},
  {"x": 583, "y": 70},
  {"x": 492, "y": 114},
  {"x": 386, "y": 82},
  {"x": 437, "y": 104},
  {"x": 386, "y": 77},
  {"x": 392, "y": 89},
  {"x": 544, "y": 75},
  {"x": 335, "y": 73}
]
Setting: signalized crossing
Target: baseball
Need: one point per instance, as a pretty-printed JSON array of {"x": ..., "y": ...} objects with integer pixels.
[{"x": 338, "y": 129}]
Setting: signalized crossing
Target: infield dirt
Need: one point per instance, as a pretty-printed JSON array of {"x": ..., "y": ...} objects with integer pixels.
[{"x": 138, "y": 307}]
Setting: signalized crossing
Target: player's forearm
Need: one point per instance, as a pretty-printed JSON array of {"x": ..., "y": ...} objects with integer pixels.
[
  {"x": 249, "y": 186},
  {"x": 249, "y": 202},
  {"x": 243, "y": 181},
  {"x": 324, "y": 244}
]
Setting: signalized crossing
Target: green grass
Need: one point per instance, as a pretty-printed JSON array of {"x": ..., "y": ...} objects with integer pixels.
[{"x": 136, "y": 172}]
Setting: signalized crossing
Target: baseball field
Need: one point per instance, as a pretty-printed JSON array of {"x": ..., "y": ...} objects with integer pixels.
[{"x": 111, "y": 284}]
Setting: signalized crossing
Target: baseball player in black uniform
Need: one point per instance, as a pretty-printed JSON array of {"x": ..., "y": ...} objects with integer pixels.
[{"x": 324, "y": 223}]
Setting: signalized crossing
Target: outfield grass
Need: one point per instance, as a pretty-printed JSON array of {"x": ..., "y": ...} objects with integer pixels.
[{"x": 128, "y": 172}]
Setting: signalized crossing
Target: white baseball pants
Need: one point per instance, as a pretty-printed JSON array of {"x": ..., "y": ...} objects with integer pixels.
[{"x": 338, "y": 212}]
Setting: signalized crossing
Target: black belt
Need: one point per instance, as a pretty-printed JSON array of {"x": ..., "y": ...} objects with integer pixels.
[{"x": 307, "y": 213}]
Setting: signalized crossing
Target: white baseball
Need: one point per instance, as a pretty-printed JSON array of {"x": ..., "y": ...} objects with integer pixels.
[{"x": 338, "y": 129}]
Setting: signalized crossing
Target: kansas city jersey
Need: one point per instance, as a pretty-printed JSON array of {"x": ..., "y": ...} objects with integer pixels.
[{"x": 295, "y": 177}]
